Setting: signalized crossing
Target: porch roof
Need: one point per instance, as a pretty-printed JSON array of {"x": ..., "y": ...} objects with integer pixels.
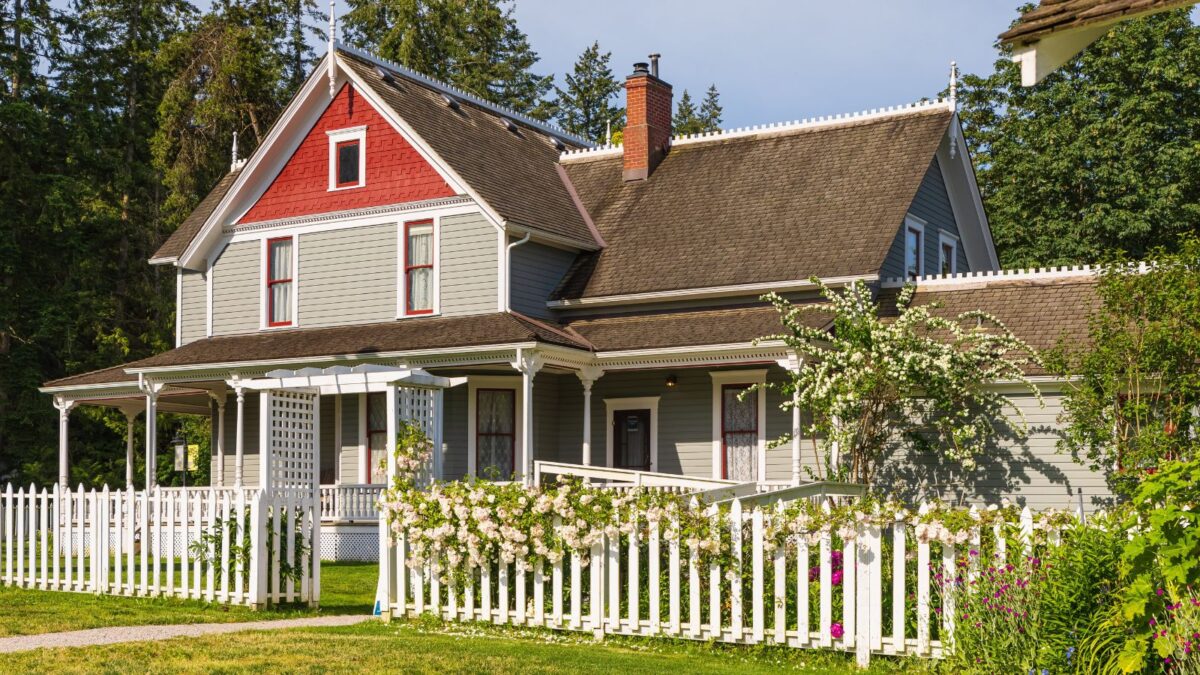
[{"x": 732, "y": 325}]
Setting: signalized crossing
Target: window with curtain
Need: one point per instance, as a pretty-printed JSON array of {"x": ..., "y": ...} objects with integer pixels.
[
  {"x": 912, "y": 252},
  {"x": 418, "y": 267},
  {"x": 739, "y": 432},
  {"x": 279, "y": 281},
  {"x": 377, "y": 437},
  {"x": 495, "y": 432}
]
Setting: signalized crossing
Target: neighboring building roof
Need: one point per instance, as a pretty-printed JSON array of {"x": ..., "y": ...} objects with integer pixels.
[
  {"x": 1052, "y": 16},
  {"x": 514, "y": 172},
  {"x": 175, "y": 245},
  {"x": 781, "y": 204},
  {"x": 734, "y": 325}
]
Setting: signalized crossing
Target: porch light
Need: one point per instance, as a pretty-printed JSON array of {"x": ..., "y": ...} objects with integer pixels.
[
  {"x": 181, "y": 457},
  {"x": 671, "y": 382}
]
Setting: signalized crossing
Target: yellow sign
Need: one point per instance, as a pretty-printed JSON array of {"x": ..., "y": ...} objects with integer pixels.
[{"x": 193, "y": 452}]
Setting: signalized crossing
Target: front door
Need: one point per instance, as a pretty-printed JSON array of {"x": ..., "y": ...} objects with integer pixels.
[{"x": 631, "y": 439}]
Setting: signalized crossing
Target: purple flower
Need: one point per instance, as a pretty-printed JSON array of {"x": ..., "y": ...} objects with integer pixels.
[
  {"x": 814, "y": 573},
  {"x": 837, "y": 631},
  {"x": 837, "y": 578},
  {"x": 1159, "y": 592}
]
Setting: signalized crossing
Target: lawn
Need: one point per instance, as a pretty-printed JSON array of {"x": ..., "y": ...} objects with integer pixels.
[
  {"x": 426, "y": 647},
  {"x": 346, "y": 588}
]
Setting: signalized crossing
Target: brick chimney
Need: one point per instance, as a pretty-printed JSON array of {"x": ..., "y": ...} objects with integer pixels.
[{"x": 647, "y": 135}]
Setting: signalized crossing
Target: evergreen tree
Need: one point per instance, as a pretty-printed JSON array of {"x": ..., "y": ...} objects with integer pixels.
[
  {"x": 710, "y": 110},
  {"x": 1101, "y": 155},
  {"x": 686, "y": 120},
  {"x": 584, "y": 105}
]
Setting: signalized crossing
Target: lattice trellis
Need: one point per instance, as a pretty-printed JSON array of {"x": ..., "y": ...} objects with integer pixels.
[
  {"x": 418, "y": 405},
  {"x": 294, "y": 435}
]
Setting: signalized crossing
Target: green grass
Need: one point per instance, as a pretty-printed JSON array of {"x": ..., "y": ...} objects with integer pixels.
[
  {"x": 346, "y": 588},
  {"x": 424, "y": 647}
]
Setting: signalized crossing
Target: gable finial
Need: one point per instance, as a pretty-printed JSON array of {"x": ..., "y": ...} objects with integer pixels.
[
  {"x": 954, "y": 85},
  {"x": 332, "y": 49},
  {"x": 608, "y": 132},
  {"x": 233, "y": 162}
]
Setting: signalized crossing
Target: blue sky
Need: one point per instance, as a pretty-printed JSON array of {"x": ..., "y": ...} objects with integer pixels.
[{"x": 774, "y": 60}]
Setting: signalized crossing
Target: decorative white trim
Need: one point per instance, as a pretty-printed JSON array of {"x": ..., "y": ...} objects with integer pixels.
[
  {"x": 721, "y": 378},
  {"x": 773, "y": 128},
  {"x": 337, "y": 439},
  {"x": 178, "y": 307},
  {"x": 342, "y": 136},
  {"x": 958, "y": 175},
  {"x": 612, "y": 405},
  {"x": 364, "y": 456},
  {"x": 945, "y": 238},
  {"x": 477, "y": 382},
  {"x": 709, "y": 292},
  {"x": 339, "y": 219},
  {"x": 208, "y": 301},
  {"x": 912, "y": 222},
  {"x": 401, "y": 262},
  {"x": 983, "y": 277},
  {"x": 263, "y": 322}
]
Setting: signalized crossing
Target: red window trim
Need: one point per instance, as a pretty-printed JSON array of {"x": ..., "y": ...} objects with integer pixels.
[
  {"x": 512, "y": 436},
  {"x": 725, "y": 432},
  {"x": 272, "y": 282},
  {"x": 408, "y": 310},
  {"x": 337, "y": 169},
  {"x": 375, "y": 396}
]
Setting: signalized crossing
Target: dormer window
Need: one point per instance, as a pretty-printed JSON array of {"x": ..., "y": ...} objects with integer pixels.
[
  {"x": 347, "y": 158},
  {"x": 947, "y": 253},
  {"x": 914, "y": 248}
]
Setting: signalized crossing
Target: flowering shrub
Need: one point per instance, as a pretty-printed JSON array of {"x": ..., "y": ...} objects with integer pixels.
[
  {"x": 917, "y": 378},
  {"x": 1177, "y": 635},
  {"x": 413, "y": 452},
  {"x": 998, "y": 623}
]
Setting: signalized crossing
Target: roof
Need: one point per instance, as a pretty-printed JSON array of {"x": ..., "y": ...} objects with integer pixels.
[
  {"x": 111, "y": 375},
  {"x": 826, "y": 196},
  {"x": 515, "y": 173},
  {"x": 735, "y": 325},
  {"x": 175, "y": 245},
  {"x": 1052, "y": 16}
]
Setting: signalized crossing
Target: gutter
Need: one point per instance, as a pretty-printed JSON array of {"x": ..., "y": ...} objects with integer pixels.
[{"x": 508, "y": 269}]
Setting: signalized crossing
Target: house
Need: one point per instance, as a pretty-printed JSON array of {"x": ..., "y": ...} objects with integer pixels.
[
  {"x": 1049, "y": 35},
  {"x": 592, "y": 306}
]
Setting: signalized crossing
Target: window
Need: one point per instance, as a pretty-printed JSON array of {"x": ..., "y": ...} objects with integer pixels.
[
  {"x": 347, "y": 158},
  {"x": 418, "y": 267},
  {"x": 377, "y": 437},
  {"x": 912, "y": 252},
  {"x": 947, "y": 255},
  {"x": 496, "y": 433},
  {"x": 739, "y": 433},
  {"x": 347, "y": 164},
  {"x": 280, "y": 282}
]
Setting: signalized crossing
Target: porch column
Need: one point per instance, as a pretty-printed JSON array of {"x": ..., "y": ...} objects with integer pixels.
[
  {"x": 587, "y": 376},
  {"x": 131, "y": 414},
  {"x": 239, "y": 441},
  {"x": 220, "y": 426},
  {"x": 529, "y": 363},
  {"x": 792, "y": 364},
  {"x": 151, "y": 436},
  {"x": 64, "y": 406}
]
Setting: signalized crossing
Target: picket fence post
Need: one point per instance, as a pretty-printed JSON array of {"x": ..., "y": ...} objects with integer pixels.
[{"x": 258, "y": 552}]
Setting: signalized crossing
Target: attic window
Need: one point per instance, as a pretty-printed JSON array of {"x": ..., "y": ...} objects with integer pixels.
[
  {"x": 347, "y": 158},
  {"x": 914, "y": 248}
]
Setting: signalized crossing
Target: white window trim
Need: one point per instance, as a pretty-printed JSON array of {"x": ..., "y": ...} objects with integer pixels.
[
  {"x": 341, "y": 136},
  {"x": 364, "y": 459},
  {"x": 402, "y": 256},
  {"x": 263, "y": 319},
  {"x": 912, "y": 222},
  {"x": 721, "y": 378},
  {"x": 943, "y": 239},
  {"x": 474, "y": 384},
  {"x": 612, "y": 405}
]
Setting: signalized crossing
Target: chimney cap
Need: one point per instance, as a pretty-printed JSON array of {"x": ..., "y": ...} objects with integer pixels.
[
  {"x": 654, "y": 63},
  {"x": 641, "y": 68}
]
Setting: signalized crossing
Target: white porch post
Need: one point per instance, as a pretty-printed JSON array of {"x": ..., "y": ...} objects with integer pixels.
[
  {"x": 131, "y": 414},
  {"x": 152, "y": 392},
  {"x": 392, "y": 425},
  {"x": 220, "y": 428},
  {"x": 528, "y": 363},
  {"x": 587, "y": 376},
  {"x": 792, "y": 364},
  {"x": 64, "y": 406},
  {"x": 239, "y": 442}
]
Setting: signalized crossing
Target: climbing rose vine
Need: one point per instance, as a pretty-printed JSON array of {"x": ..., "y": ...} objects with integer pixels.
[{"x": 874, "y": 383}]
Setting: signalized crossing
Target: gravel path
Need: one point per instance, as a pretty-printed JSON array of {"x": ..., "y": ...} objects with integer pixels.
[{"x": 108, "y": 636}]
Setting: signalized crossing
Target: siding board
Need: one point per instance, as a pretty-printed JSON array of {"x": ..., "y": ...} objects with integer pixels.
[
  {"x": 932, "y": 205},
  {"x": 193, "y": 307},
  {"x": 348, "y": 276},
  {"x": 469, "y": 265},
  {"x": 236, "y": 292},
  {"x": 535, "y": 271}
]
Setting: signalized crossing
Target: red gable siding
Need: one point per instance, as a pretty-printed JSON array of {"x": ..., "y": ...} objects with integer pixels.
[{"x": 395, "y": 174}]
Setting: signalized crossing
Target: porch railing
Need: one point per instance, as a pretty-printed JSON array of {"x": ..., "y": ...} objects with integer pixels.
[
  {"x": 351, "y": 502},
  {"x": 628, "y": 479}
]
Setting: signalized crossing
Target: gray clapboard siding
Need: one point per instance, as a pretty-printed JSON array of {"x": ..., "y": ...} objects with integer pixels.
[
  {"x": 454, "y": 433},
  {"x": 348, "y": 276},
  {"x": 349, "y": 456},
  {"x": 535, "y": 271},
  {"x": 250, "y": 447},
  {"x": 327, "y": 469},
  {"x": 193, "y": 306},
  {"x": 469, "y": 265},
  {"x": 932, "y": 205},
  {"x": 237, "y": 275}
]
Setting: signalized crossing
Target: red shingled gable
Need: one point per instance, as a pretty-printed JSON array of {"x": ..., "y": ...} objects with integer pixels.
[{"x": 395, "y": 173}]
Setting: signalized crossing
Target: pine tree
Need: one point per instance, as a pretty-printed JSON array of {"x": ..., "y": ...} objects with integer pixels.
[
  {"x": 686, "y": 121},
  {"x": 710, "y": 110},
  {"x": 583, "y": 106}
]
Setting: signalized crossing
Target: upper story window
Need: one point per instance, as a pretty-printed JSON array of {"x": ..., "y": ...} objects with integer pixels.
[
  {"x": 914, "y": 249},
  {"x": 280, "y": 290},
  {"x": 347, "y": 158},
  {"x": 947, "y": 254},
  {"x": 418, "y": 267}
]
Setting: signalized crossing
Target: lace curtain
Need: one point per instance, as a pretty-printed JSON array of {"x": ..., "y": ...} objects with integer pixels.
[
  {"x": 494, "y": 433},
  {"x": 420, "y": 264},
  {"x": 740, "y": 424},
  {"x": 281, "y": 293},
  {"x": 377, "y": 437}
]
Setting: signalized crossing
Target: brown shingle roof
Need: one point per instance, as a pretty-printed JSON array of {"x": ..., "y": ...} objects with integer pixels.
[
  {"x": 514, "y": 173},
  {"x": 1057, "y": 15},
  {"x": 684, "y": 329},
  {"x": 823, "y": 201},
  {"x": 111, "y": 375},
  {"x": 175, "y": 245}
]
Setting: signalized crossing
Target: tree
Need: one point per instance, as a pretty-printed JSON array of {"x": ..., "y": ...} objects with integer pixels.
[
  {"x": 584, "y": 106},
  {"x": 1133, "y": 399},
  {"x": 686, "y": 121},
  {"x": 475, "y": 45},
  {"x": 711, "y": 110},
  {"x": 1101, "y": 155},
  {"x": 871, "y": 384}
]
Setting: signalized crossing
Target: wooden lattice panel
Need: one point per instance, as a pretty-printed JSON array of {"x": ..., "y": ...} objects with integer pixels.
[{"x": 295, "y": 455}]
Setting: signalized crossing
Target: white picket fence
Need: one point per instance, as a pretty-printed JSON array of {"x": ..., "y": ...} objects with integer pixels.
[
  {"x": 139, "y": 543},
  {"x": 644, "y": 584}
]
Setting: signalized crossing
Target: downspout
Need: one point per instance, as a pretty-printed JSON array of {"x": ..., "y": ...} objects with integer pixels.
[{"x": 508, "y": 269}]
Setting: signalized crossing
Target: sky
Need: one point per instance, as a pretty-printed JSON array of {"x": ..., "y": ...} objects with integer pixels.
[{"x": 773, "y": 60}]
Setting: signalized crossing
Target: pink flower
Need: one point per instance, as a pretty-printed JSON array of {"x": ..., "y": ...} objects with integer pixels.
[
  {"x": 836, "y": 578},
  {"x": 837, "y": 631}
]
